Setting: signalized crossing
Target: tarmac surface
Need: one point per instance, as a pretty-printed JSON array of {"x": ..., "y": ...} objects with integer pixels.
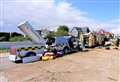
[{"x": 94, "y": 65}]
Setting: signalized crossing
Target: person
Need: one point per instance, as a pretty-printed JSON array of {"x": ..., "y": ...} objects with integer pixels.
[
  {"x": 91, "y": 40},
  {"x": 70, "y": 42},
  {"x": 50, "y": 41},
  {"x": 117, "y": 42},
  {"x": 82, "y": 40}
]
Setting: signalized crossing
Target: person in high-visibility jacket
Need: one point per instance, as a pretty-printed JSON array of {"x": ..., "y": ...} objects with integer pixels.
[
  {"x": 91, "y": 42},
  {"x": 82, "y": 40}
]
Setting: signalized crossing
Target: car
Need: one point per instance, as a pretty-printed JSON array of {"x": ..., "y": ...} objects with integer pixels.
[{"x": 67, "y": 44}]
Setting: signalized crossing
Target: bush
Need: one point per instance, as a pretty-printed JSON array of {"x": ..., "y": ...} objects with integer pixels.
[
  {"x": 63, "y": 28},
  {"x": 62, "y": 31}
]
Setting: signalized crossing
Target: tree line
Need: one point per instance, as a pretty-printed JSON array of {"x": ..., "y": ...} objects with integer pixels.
[{"x": 62, "y": 30}]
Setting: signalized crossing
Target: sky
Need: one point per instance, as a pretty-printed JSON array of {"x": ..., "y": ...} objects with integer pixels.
[
  {"x": 96, "y": 14},
  {"x": 99, "y": 9}
]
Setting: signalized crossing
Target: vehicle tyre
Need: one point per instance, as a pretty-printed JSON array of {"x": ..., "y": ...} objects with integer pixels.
[
  {"x": 79, "y": 48},
  {"x": 66, "y": 50},
  {"x": 30, "y": 54}
]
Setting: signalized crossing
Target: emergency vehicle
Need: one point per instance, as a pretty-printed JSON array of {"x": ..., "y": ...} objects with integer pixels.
[{"x": 29, "y": 53}]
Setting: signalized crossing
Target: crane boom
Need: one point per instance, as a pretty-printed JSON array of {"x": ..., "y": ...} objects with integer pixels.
[{"x": 27, "y": 29}]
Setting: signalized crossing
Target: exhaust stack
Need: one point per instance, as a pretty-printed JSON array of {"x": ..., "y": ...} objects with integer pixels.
[{"x": 27, "y": 29}]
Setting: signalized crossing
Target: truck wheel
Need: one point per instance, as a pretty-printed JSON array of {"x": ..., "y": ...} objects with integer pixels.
[
  {"x": 30, "y": 54},
  {"x": 80, "y": 48},
  {"x": 66, "y": 50}
]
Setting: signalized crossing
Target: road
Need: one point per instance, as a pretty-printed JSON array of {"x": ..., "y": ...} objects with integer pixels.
[{"x": 95, "y": 65}]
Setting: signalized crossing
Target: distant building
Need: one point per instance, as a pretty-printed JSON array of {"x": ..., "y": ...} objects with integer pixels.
[
  {"x": 105, "y": 33},
  {"x": 77, "y": 30}
]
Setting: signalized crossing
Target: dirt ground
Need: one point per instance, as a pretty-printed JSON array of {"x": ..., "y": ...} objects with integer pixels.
[{"x": 94, "y": 65}]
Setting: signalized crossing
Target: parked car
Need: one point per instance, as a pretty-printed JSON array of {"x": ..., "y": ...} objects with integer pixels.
[{"x": 67, "y": 44}]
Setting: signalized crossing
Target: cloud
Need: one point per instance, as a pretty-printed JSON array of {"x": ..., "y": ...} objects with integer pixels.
[{"x": 48, "y": 13}]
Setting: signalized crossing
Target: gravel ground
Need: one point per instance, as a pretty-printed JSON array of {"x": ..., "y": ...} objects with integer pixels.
[{"x": 95, "y": 65}]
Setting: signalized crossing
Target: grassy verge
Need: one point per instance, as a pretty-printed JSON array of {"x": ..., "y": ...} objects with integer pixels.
[{"x": 3, "y": 50}]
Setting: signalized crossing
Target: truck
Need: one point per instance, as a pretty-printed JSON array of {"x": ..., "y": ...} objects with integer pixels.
[{"x": 29, "y": 53}]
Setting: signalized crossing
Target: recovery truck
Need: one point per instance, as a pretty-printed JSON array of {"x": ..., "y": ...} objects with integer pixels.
[{"x": 30, "y": 53}]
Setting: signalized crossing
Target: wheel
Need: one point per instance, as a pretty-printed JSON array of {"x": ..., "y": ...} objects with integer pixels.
[
  {"x": 30, "y": 57},
  {"x": 79, "y": 48},
  {"x": 66, "y": 50},
  {"x": 30, "y": 54}
]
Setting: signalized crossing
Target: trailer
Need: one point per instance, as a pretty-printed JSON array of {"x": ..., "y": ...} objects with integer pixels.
[{"x": 28, "y": 53}]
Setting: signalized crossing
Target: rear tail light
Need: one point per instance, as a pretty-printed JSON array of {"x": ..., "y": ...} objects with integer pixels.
[{"x": 13, "y": 50}]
